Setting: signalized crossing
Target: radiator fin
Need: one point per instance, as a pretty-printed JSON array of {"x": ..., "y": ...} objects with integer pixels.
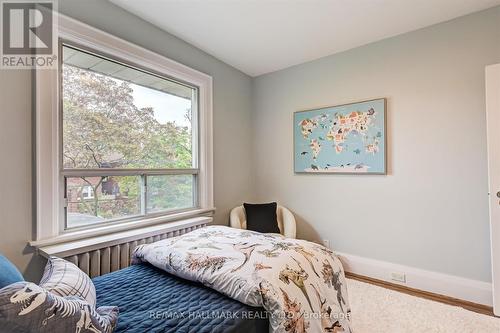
[
  {"x": 95, "y": 263},
  {"x": 115, "y": 258},
  {"x": 84, "y": 262},
  {"x": 105, "y": 261}
]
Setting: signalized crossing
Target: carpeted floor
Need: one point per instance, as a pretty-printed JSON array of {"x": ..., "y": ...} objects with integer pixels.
[{"x": 376, "y": 309}]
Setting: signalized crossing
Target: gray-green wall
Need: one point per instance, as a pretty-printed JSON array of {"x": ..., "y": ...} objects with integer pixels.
[
  {"x": 232, "y": 134},
  {"x": 431, "y": 210}
]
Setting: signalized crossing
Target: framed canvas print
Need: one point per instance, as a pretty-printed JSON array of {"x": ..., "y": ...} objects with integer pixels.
[{"x": 347, "y": 138}]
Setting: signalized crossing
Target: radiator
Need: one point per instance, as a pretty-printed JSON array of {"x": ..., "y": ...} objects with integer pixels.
[{"x": 107, "y": 256}]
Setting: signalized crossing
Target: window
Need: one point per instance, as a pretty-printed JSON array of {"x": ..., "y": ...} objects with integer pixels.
[
  {"x": 127, "y": 139},
  {"x": 123, "y": 138},
  {"x": 87, "y": 192}
]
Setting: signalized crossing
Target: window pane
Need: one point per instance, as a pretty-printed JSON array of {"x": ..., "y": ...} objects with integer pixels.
[
  {"x": 116, "y": 116},
  {"x": 98, "y": 199},
  {"x": 169, "y": 192}
]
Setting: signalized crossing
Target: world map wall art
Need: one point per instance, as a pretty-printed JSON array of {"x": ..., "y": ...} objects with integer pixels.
[{"x": 347, "y": 138}]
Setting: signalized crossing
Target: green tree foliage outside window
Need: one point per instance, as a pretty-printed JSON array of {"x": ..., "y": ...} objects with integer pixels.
[{"x": 103, "y": 128}]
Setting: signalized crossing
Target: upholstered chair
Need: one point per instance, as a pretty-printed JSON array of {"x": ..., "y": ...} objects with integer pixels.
[{"x": 286, "y": 220}]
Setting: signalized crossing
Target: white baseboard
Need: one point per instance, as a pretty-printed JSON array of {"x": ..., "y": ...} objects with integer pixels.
[{"x": 448, "y": 285}]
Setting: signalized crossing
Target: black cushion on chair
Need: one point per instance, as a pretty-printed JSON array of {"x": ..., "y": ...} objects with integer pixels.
[{"x": 262, "y": 217}]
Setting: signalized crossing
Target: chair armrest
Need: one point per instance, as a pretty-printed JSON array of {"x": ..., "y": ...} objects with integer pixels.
[
  {"x": 237, "y": 218},
  {"x": 289, "y": 224}
]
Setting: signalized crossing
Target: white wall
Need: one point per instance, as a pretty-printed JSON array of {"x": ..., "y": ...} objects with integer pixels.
[
  {"x": 431, "y": 210},
  {"x": 232, "y": 135},
  {"x": 16, "y": 166}
]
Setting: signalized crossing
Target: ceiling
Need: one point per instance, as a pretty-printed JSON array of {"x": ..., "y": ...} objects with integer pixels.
[{"x": 262, "y": 36}]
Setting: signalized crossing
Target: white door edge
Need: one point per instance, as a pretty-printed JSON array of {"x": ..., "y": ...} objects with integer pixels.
[{"x": 493, "y": 135}]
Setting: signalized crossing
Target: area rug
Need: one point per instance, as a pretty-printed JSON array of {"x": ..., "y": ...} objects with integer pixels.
[{"x": 376, "y": 309}]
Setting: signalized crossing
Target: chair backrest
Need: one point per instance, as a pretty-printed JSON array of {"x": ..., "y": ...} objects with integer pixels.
[{"x": 286, "y": 220}]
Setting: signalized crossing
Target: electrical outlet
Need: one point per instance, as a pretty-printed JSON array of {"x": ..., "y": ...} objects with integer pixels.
[
  {"x": 326, "y": 243},
  {"x": 399, "y": 277}
]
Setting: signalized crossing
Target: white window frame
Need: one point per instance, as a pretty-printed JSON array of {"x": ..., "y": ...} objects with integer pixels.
[{"x": 49, "y": 198}]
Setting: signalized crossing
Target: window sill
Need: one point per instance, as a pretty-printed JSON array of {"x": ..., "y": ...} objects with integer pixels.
[{"x": 120, "y": 231}]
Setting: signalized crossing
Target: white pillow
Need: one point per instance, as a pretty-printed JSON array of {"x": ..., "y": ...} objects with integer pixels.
[{"x": 63, "y": 278}]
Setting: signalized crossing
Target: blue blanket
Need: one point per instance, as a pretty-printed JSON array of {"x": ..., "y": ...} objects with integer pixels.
[{"x": 151, "y": 300}]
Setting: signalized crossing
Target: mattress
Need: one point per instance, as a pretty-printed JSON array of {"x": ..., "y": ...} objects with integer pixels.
[{"x": 151, "y": 300}]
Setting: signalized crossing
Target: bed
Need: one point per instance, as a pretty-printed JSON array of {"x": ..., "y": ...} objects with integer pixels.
[
  {"x": 151, "y": 300},
  {"x": 217, "y": 279},
  {"x": 300, "y": 284}
]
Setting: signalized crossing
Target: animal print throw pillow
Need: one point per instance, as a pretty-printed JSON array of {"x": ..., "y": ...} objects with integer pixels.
[
  {"x": 63, "y": 278},
  {"x": 26, "y": 307}
]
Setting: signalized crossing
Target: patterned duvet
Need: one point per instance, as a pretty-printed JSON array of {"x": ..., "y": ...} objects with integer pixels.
[{"x": 301, "y": 284}]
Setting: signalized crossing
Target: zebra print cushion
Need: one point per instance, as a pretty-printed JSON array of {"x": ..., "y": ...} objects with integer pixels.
[
  {"x": 26, "y": 307},
  {"x": 63, "y": 278}
]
